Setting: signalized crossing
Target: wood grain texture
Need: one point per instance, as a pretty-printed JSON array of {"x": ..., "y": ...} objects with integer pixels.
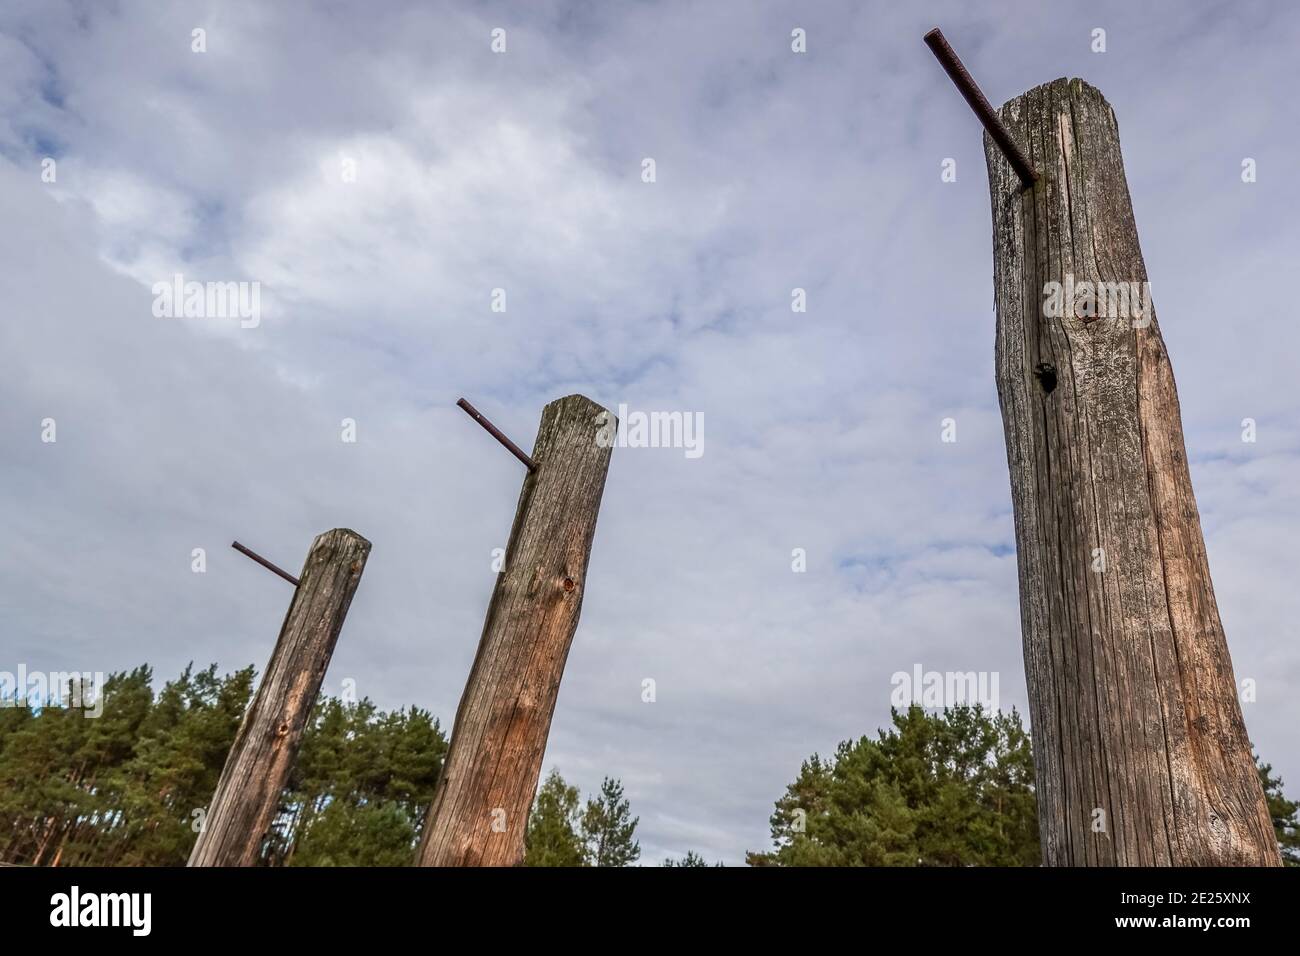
[
  {"x": 1132, "y": 697},
  {"x": 257, "y": 768},
  {"x": 480, "y": 806}
]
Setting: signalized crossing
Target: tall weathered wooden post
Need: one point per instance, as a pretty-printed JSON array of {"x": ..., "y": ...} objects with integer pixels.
[
  {"x": 1140, "y": 750},
  {"x": 248, "y": 794},
  {"x": 481, "y": 803},
  {"x": 1139, "y": 744}
]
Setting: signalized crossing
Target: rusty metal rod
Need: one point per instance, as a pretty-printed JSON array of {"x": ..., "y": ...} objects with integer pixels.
[
  {"x": 957, "y": 71},
  {"x": 264, "y": 563},
  {"x": 496, "y": 433}
]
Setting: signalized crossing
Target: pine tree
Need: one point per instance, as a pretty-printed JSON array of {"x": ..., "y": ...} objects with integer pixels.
[
  {"x": 1283, "y": 811},
  {"x": 607, "y": 828},
  {"x": 552, "y": 837},
  {"x": 361, "y": 787},
  {"x": 690, "y": 859},
  {"x": 162, "y": 792},
  {"x": 950, "y": 789},
  {"x": 131, "y": 786}
]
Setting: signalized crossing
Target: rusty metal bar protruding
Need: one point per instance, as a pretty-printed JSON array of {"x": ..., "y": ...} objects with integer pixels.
[
  {"x": 496, "y": 433},
  {"x": 264, "y": 563},
  {"x": 957, "y": 71}
]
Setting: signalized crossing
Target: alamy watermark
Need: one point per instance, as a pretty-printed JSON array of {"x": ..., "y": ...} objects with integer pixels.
[
  {"x": 178, "y": 299},
  {"x": 938, "y": 689},
  {"x": 637, "y": 429},
  {"x": 1090, "y": 300},
  {"x": 133, "y": 911},
  {"x": 80, "y": 690}
]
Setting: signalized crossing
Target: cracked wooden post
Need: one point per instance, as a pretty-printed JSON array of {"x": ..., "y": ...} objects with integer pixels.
[
  {"x": 1140, "y": 750},
  {"x": 481, "y": 803},
  {"x": 248, "y": 794}
]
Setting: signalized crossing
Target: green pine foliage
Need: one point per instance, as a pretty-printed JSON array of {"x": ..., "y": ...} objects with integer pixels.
[
  {"x": 1286, "y": 823},
  {"x": 937, "y": 789},
  {"x": 690, "y": 859},
  {"x": 361, "y": 787},
  {"x": 554, "y": 826},
  {"x": 607, "y": 828},
  {"x": 121, "y": 788},
  {"x": 950, "y": 789},
  {"x": 130, "y": 787},
  {"x": 561, "y": 834}
]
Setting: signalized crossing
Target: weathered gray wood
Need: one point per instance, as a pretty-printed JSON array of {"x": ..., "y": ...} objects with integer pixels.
[
  {"x": 257, "y": 768},
  {"x": 1131, "y": 692},
  {"x": 480, "y": 806}
]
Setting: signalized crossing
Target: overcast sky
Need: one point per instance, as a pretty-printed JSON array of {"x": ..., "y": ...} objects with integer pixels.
[{"x": 477, "y": 170}]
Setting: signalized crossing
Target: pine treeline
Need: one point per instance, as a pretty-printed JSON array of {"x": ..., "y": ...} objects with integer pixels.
[
  {"x": 1285, "y": 814},
  {"x": 561, "y": 834},
  {"x": 129, "y": 788},
  {"x": 937, "y": 789},
  {"x": 950, "y": 788},
  {"x": 361, "y": 787}
]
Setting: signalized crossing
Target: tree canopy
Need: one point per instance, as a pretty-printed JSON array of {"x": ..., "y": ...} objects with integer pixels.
[
  {"x": 561, "y": 834},
  {"x": 1286, "y": 823},
  {"x": 130, "y": 788},
  {"x": 946, "y": 789}
]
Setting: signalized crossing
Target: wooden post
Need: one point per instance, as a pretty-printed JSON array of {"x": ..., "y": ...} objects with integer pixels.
[
  {"x": 1140, "y": 749},
  {"x": 481, "y": 803},
  {"x": 257, "y": 768}
]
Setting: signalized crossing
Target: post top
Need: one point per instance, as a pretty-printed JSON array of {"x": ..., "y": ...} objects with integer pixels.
[{"x": 1075, "y": 85}]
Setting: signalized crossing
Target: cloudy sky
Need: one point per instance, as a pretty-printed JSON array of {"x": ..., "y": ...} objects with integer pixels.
[{"x": 522, "y": 170}]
